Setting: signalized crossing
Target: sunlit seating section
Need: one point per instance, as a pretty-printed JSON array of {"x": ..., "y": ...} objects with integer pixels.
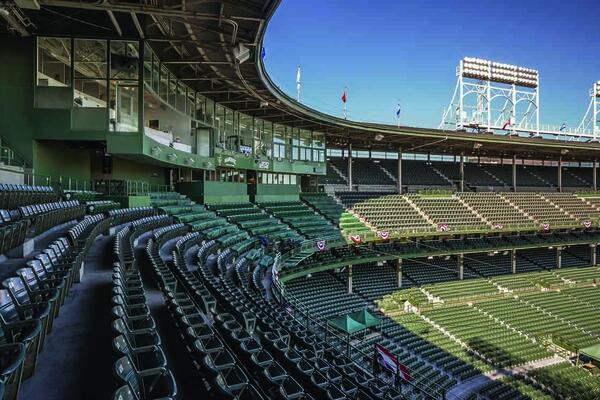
[
  {"x": 573, "y": 205},
  {"x": 462, "y": 289},
  {"x": 489, "y": 338},
  {"x": 568, "y": 381},
  {"x": 541, "y": 210},
  {"x": 325, "y": 205},
  {"x": 186, "y": 211},
  {"x": 350, "y": 224},
  {"x": 529, "y": 320},
  {"x": 302, "y": 218},
  {"x": 449, "y": 211},
  {"x": 590, "y": 295},
  {"x": 254, "y": 220},
  {"x": 496, "y": 210},
  {"x": 392, "y": 213}
]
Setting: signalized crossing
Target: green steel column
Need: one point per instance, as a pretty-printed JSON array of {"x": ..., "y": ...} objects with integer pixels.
[
  {"x": 350, "y": 278},
  {"x": 350, "y": 165},
  {"x": 462, "y": 172},
  {"x": 513, "y": 260},
  {"x": 399, "y": 272},
  {"x": 560, "y": 174},
  {"x": 594, "y": 172},
  {"x": 399, "y": 170},
  {"x": 514, "y": 172}
]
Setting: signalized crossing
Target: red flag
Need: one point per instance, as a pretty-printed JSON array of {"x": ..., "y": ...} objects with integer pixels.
[{"x": 344, "y": 96}]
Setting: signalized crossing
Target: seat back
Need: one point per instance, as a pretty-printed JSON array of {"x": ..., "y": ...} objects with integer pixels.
[
  {"x": 125, "y": 393},
  {"x": 121, "y": 345},
  {"x": 8, "y": 310},
  {"x": 28, "y": 278},
  {"x": 17, "y": 290},
  {"x": 38, "y": 269},
  {"x": 126, "y": 372}
]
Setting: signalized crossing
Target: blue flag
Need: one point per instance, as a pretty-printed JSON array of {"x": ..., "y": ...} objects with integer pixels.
[
  {"x": 563, "y": 127},
  {"x": 398, "y": 111}
]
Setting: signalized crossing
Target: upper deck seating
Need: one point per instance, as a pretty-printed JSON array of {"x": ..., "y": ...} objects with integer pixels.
[
  {"x": 392, "y": 212},
  {"x": 573, "y": 205},
  {"x": 302, "y": 218},
  {"x": 325, "y": 205},
  {"x": 542, "y": 211},
  {"x": 496, "y": 210},
  {"x": 449, "y": 211}
]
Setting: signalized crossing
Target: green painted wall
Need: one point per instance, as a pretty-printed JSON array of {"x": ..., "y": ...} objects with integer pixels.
[
  {"x": 59, "y": 159},
  {"x": 193, "y": 190},
  {"x": 16, "y": 94},
  {"x": 266, "y": 193},
  {"x": 225, "y": 192},
  {"x": 131, "y": 201}
]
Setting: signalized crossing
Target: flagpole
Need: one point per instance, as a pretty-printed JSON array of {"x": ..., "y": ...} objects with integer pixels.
[{"x": 298, "y": 84}]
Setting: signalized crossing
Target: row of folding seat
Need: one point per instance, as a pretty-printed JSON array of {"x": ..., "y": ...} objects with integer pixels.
[
  {"x": 29, "y": 303},
  {"x": 13, "y": 230},
  {"x": 13, "y": 196},
  {"x": 46, "y": 215},
  {"x": 123, "y": 215},
  {"x": 82, "y": 234},
  {"x": 81, "y": 195},
  {"x": 290, "y": 351},
  {"x": 141, "y": 367},
  {"x": 277, "y": 350},
  {"x": 208, "y": 348},
  {"x": 100, "y": 206}
]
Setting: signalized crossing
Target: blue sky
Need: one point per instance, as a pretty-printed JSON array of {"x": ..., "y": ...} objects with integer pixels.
[{"x": 387, "y": 51}]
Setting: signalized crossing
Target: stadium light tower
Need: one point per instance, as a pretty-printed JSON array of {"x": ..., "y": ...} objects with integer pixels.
[
  {"x": 481, "y": 84},
  {"x": 590, "y": 123}
]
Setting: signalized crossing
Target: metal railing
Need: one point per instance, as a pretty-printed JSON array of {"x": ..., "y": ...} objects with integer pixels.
[{"x": 319, "y": 322}]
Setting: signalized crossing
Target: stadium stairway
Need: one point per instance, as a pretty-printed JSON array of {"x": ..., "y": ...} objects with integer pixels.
[{"x": 81, "y": 333}]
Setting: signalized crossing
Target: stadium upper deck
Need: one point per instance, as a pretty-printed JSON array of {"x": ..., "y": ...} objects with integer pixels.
[{"x": 215, "y": 46}]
